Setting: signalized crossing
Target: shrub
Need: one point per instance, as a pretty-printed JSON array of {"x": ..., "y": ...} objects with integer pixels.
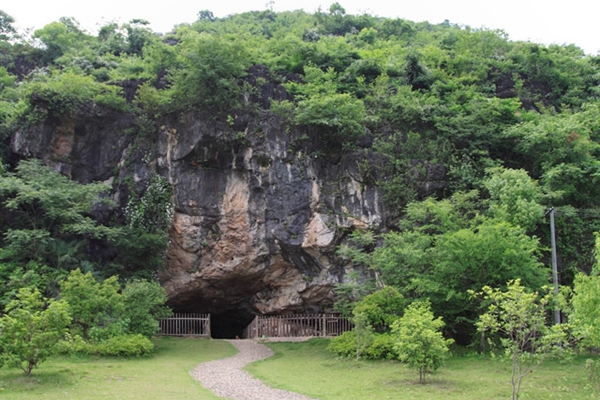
[
  {"x": 144, "y": 306},
  {"x": 125, "y": 346},
  {"x": 338, "y": 117},
  {"x": 116, "y": 346},
  {"x": 65, "y": 91},
  {"x": 344, "y": 345},
  {"x": 382, "y": 308},
  {"x": 381, "y": 348}
]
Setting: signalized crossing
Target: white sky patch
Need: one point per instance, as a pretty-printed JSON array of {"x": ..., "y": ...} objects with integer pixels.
[{"x": 541, "y": 21}]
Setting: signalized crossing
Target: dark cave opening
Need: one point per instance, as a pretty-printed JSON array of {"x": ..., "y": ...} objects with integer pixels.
[{"x": 229, "y": 324}]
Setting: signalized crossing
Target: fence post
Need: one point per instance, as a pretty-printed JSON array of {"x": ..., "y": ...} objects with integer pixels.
[{"x": 324, "y": 325}]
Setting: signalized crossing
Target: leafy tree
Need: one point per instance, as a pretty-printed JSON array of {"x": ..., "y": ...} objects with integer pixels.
[
  {"x": 61, "y": 36},
  {"x": 31, "y": 328},
  {"x": 363, "y": 333},
  {"x": 211, "y": 69},
  {"x": 47, "y": 221},
  {"x": 446, "y": 249},
  {"x": 420, "y": 343},
  {"x": 519, "y": 318},
  {"x": 144, "y": 306},
  {"x": 381, "y": 308},
  {"x": 515, "y": 197},
  {"x": 585, "y": 315},
  {"x": 338, "y": 117},
  {"x": 206, "y": 15},
  {"x": 6, "y": 28},
  {"x": 92, "y": 304}
]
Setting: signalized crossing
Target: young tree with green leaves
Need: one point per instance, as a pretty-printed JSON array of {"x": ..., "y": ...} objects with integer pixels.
[
  {"x": 363, "y": 332},
  {"x": 585, "y": 315},
  {"x": 92, "y": 304},
  {"x": 144, "y": 306},
  {"x": 31, "y": 328},
  {"x": 6, "y": 26},
  {"x": 517, "y": 318},
  {"x": 419, "y": 340},
  {"x": 381, "y": 308}
]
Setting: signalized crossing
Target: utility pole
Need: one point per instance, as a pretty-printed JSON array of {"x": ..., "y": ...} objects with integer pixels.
[{"x": 554, "y": 264}]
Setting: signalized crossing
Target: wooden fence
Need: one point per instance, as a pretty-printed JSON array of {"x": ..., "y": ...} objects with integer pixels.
[
  {"x": 186, "y": 325},
  {"x": 297, "y": 325}
]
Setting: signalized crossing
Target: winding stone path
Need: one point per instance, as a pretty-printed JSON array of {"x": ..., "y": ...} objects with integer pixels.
[{"x": 226, "y": 378}]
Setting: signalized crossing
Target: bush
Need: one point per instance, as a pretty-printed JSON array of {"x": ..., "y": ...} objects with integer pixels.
[
  {"x": 381, "y": 347},
  {"x": 338, "y": 117},
  {"x": 65, "y": 91},
  {"x": 382, "y": 308},
  {"x": 117, "y": 346},
  {"x": 344, "y": 345},
  {"x": 125, "y": 346}
]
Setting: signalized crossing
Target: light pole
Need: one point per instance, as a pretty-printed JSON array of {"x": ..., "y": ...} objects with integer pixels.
[{"x": 554, "y": 264}]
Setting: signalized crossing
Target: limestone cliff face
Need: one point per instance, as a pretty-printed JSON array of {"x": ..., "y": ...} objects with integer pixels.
[
  {"x": 257, "y": 219},
  {"x": 260, "y": 205}
]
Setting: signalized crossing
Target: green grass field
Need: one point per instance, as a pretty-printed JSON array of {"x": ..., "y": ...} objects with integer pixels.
[
  {"x": 301, "y": 367},
  {"x": 309, "y": 369},
  {"x": 165, "y": 375}
]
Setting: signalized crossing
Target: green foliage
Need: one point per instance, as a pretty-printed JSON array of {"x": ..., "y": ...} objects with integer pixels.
[
  {"x": 139, "y": 254},
  {"x": 446, "y": 249},
  {"x": 381, "y": 308},
  {"x": 344, "y": 345},
  {"x": 363, "y": 333},
  {"x": 30, "y": 329},
  {"x": 47, "y": 222},
  {"x": 6, "y": 27},
  {"x": 119, "y": 345},
  {"x": 92, "y": 304},
  {"x": 144, "y": 306},
  {"x": 64, "y": 91},
  {"x": 211, "y": 69},
  {"x": 586, "y": 309},
  {"x": 561, "y": 150},
  {"x": 338, "y": 118},
  {"x": 380, "y": 347},
  {"x": 153, "y": 211},
  {"x": 61, "y": 36},
  {"x": 420, "y": 343},
  {"x": 515, "y": 197},
  {"x": 337, "y": 22},
  {"x": 519, "y": 318},
  {"x": 585, "y": 304},
  {"x": 132, "y": 345}
]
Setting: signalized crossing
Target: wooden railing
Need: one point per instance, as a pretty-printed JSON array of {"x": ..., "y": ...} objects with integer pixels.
[
  {"x": 297, "y": 325},
  {"x": 186, "y": 325}
]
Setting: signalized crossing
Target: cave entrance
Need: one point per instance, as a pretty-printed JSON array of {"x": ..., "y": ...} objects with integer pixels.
[{"x": 229, "y": 324}]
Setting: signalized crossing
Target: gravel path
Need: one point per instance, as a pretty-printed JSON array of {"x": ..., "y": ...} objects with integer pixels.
[{"x": 226, "y": 378}]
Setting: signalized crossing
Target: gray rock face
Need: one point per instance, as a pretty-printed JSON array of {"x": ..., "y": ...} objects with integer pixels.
[
  {"x": 257, "y": 221},
  {"x": 260, "y": 207}
]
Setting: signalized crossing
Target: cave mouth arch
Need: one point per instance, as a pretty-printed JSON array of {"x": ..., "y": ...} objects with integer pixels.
[
  {"x": 224, "y": 324},
  {"x": 229, "y": 324}
]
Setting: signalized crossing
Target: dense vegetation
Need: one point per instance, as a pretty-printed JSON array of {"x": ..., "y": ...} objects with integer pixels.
[{"x": 513, "y": 126}]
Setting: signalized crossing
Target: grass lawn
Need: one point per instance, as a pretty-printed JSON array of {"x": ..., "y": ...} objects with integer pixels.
[
  {"x": 309, "y": 369},
  {"x": 301, "y": 367},
  {"x": 164, "y": 376}
]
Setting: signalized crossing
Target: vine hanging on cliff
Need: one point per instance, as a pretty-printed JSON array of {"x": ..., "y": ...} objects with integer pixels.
[{"x": 153, "y": 211}]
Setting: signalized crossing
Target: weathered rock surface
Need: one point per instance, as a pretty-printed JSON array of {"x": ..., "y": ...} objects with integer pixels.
[{"x": 256, "y": 222}]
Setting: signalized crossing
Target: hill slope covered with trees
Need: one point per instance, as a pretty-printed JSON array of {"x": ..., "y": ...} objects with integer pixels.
[{"x": 469, "y": 136}]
